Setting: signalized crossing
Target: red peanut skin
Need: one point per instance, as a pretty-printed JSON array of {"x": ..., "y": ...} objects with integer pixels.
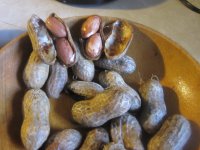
[
  {"x": 90, "y": 26},
  {"x": 55, "y": 26},
  {"x": 93, "y": 46},
  {"x": 65, "y": 51}
]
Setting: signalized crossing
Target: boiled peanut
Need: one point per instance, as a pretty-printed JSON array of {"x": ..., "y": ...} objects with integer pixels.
[
  {"x": 114, "y": 146},
  {"x": 95, "y": 139},
  {"x": 126, "y": 130},
  {"x": 154, "y": 109},
  {"x": 111, "y": 103},
  {"x": 84, "y": 69},
  {"x": 68, "y": 139},
  {"x": 55, "y": 25},
  {"x": 114, "y": 79},
  {"x": 86, "y": 89},
  {"x": 65, "y": 51},
  {"x": 90, "y": 26},
  {"x": 35, "y": 128},
  {"x": 93, "y": 47},
  {"x": 36, "y": 71},
  {"x": 41, "y": 40},
  {"x": 122, "y": 65},
  {"x": 57, "y": 80},
  {"x": 173, "y": 134}
]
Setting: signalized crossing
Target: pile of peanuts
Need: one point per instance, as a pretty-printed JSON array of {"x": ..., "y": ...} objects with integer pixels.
[{"x": 100, "y": 52}]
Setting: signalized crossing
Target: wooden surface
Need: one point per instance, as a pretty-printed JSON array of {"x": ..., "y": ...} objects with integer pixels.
[{"x": 153, "y": 53}]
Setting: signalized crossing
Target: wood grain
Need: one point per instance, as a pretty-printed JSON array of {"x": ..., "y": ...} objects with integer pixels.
[{"x": 154, "y": 54}]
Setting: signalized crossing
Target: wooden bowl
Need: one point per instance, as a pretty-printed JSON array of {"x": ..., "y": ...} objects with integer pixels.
[{"x": 153, "y": 53}]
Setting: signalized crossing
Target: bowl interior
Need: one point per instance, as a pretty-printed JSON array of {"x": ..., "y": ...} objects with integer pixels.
[{"x": 153, "y": 53}]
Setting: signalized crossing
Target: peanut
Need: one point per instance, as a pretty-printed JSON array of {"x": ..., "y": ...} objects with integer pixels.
[
  {"x": 93, "y": 47},
  {"x": 122, "y": 65},
  {"x": 65, "y": 51},
  {"x": 86, "y": 89},
  {"x": 36, "y": 71},
  {"x": 68, "y": 139},
  {"x": 111, "y": 103},
  {"x": 84, "y": 69},
  {"x": 55, "y": 26},
  {"x": 95, "y": 139},
  {"x": 173, "y": 134},
  {"x": 126, "y": 130},
  {"x": 90, "y": 26},
  {"x": 154, "y": 109},
  {"x": 57, "y": 80},
  {"x": 35, "y": 128},
  {"x": 114, "y": 146},
  {"x": 114, "y": 79}
]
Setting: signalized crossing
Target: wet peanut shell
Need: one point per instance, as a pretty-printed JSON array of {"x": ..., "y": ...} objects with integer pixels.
[
  {"x": 127, "y": 131},
  {"x": 117, "y": 39},
  {"x": 123, "y": 65},
  {"x": 84, "y": 69},
  {"x": 114, "y": 146},
  {"x": 95, "y": 139},
  {"x": 41, "y": 40},
  {"x": 111, "y": 103},
  {"x": 35, "y": 127},
  {"x": 57, "y": 80},
  {"x": 114, "y": 79},
  {"x": 36, "y": 71},
  {"x": 173, "y": 134},
  {"x": 154, "y": 108},
  {"x": 68, "y": 139},
  {"x": 86, "y": 89}
]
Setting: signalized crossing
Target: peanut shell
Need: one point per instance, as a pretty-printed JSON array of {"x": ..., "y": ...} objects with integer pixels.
[
  {"x": 36, "y": 71},
  {"x": 123, "y": 65},
  {"x": 154, "y": 109},
  {"x": 35, "y": 127},
  {"x": 95, "y": 139},
  {"x": 68, "y": 139},
  {"x": 86, "y": 89},
  {"x": 57, "y": 80},
  {"x": 173, "y": 134}
]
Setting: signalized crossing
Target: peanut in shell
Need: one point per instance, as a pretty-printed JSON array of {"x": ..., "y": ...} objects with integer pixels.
[
  {"x": 35, "y": 127},
  {"x": 36, "y": 71},
  {"x": 85, "y": 88}
]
